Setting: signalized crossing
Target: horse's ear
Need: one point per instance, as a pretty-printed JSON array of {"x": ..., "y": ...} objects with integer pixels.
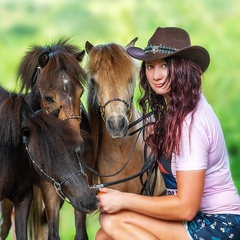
[
  {"x": 88, "y": 46},
  {"x": 26, "y": 110},
  {"x": 132, "y": 43},
  {"x": 43, "y": 59},
  {"x": 56, "y": 112},
  {"x": 80, "y": 55}
]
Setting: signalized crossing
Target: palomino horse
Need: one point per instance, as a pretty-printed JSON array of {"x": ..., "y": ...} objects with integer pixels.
[
  {"x": 52, "y": 78},
  {"x": 112, "y": 79},
  {"x": 30, "y": 149}
]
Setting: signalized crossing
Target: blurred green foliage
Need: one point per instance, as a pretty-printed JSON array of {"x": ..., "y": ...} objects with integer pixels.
[{"x": 213, "y": 24}]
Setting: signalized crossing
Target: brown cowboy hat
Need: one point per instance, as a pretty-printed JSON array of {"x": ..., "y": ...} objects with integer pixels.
[{"x": 171, "y": 42}]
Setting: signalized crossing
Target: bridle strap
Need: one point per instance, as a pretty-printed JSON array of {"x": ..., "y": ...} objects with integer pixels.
[
  {"x": 132, "y": 124},
  {"x": 37, "y": 72},
  {"x": 72, "y": 117}
]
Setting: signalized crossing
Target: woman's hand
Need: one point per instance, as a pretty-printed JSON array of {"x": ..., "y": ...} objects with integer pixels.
[{"x": 110, "y": 200}]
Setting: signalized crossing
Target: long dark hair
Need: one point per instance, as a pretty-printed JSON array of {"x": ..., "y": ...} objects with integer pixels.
[{"x": 185, "y": 86}]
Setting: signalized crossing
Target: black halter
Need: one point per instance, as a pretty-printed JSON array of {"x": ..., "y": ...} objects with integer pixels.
[{"x": 129, "y": 106}]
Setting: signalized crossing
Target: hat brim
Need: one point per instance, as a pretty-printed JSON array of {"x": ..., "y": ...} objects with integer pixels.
[{"x": 197, "y": 54}]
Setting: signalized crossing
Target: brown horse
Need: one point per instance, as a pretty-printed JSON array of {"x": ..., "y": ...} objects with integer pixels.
[
  {"x": 30, "y": 149},
  {"x": 52, "y": 78},
  {"x": 112, "y": 80}
]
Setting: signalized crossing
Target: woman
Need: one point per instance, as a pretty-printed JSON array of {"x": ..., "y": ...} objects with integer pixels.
[{"x": 188, "y": 143}]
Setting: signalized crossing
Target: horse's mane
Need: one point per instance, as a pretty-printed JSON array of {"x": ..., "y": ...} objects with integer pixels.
[
  {"x": 94, "y": 119},
  {"x": 112, "y": 63},
  {"x": 10, "y": 118},
  {"x": 62, "y": 56},
  {"x": 11, "y": 149},
  {"x": 111, "y": 60}
]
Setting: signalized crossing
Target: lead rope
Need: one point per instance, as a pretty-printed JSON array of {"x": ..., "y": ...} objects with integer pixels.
[
  {"x": 147, "y": 165},
  {"x": 120, "y": 170}
]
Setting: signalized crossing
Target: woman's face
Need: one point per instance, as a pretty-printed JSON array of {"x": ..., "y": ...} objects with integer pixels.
[{"x": 157, "y": 72}]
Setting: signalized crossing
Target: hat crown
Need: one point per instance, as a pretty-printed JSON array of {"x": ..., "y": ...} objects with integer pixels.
[{"x": 171, "y": 37}]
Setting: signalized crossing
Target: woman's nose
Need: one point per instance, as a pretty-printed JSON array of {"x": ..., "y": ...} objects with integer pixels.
[{"x": 157, "y": 75}]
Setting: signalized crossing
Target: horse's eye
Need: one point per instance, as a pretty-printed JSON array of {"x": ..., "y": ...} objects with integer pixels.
[
  {"x": 49, "y": 99},
  {"x": 25, "y": 131}
]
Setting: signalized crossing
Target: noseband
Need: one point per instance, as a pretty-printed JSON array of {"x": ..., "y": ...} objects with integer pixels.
[{"x": 129, "y": 107}]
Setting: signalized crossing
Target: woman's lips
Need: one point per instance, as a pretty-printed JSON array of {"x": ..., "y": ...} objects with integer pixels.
[{"x": 159, "y": 85}]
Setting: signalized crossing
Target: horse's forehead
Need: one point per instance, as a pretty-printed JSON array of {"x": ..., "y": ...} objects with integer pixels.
[
  {"x": 61, "y": 84},
  {"x": 109, "y": 63},
  {"x": 109, "y": 51},
  {"x": 112, "y": 86},
  {"x": 60, "y": 67}
]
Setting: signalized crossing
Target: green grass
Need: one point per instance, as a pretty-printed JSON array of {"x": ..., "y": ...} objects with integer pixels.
[{"x": 67, "y": 225}]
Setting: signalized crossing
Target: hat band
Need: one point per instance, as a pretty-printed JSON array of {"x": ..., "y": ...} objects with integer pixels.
[{"x": 159, "y": 49}]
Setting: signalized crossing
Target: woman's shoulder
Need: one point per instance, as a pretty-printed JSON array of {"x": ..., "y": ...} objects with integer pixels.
[
  {"x": 203, "y": 111},
  {"x": 203, "y": 105},
  {"x": 203, "y": 117}
]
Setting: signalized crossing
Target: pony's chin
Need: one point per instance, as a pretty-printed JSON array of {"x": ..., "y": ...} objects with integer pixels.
[
  {"x": 118, "y": 135},
  {"x": 84, "y": 203},
  {"x": 85, "y": 208}
]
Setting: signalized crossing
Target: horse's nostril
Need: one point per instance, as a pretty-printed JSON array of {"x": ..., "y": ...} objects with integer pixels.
[
  {"x": 122, "y": 123},
  {"x": 110, "y": 124}
]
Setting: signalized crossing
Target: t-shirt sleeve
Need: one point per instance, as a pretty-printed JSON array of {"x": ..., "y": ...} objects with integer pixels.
[{"x": 194, "y": 146}]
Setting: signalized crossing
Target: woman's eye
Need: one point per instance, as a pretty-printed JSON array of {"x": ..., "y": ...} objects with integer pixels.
[
  {"x": 49, "y": 99},
  {"x": 149, "y": 67},
  {"x": 165, "y": 65}
]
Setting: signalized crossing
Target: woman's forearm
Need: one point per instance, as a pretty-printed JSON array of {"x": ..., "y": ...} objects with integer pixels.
[{"x": 162, "y": 207}]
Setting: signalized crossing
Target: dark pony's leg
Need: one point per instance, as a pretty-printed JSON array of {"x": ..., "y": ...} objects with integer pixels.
[
  {"x": 21, "y": 215},
  {"x": 53, "y": 204},
  {"x": 80, "y": 224},
  {"x": 6, "y": 208}
]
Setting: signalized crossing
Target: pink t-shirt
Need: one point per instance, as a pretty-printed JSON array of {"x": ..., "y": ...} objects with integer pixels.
[{"x": 203, "y": 147}]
